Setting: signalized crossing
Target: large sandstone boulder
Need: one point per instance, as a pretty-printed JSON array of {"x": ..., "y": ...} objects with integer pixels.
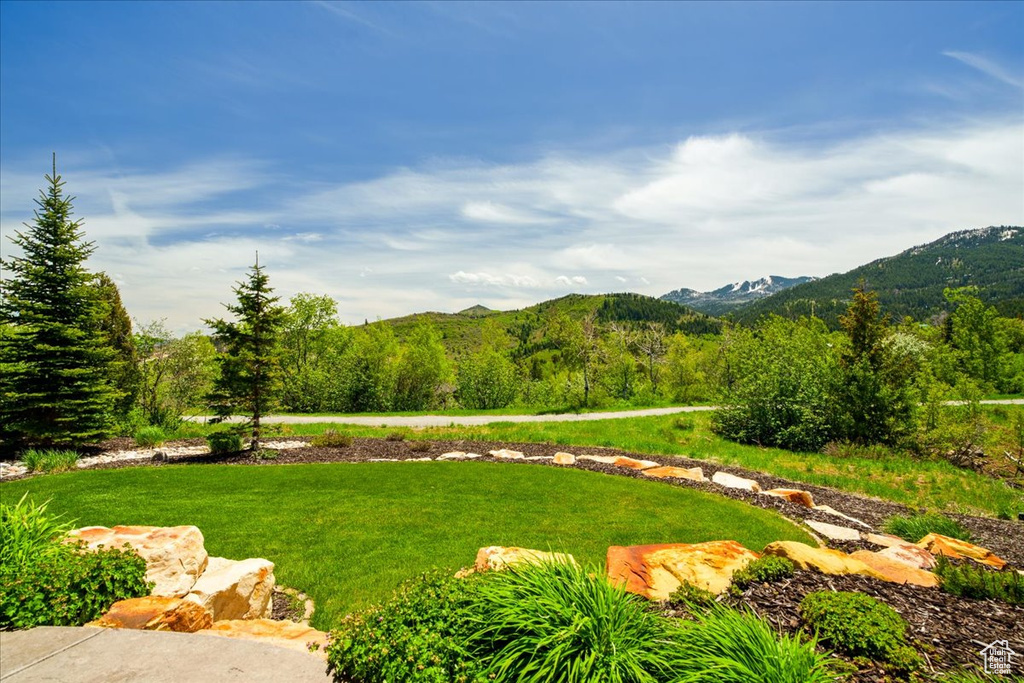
[
  {"x": 793, "y": 496},
  {"x": 655, "y": 571},
  {"x": 497, "y": 558},
  {"x": 281, "y": 633},
  {"x": 175, "y": 556},
  {"x": 937, "y": 544},
  {"x": 235, "y": 589},
  {"x": 824, "y": 560},
  {"x": 884, "y": 540},
  {"x": 156, "y": 614},
  {"x": 731, "y": 481},
  {"x": 894, "y": 571},
  {"x": 669, "y": 472},
  {"x": 910, "y": 555}
]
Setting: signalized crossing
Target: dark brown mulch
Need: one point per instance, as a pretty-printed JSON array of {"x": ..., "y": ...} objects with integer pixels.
[{"x": 285, "y": 607}]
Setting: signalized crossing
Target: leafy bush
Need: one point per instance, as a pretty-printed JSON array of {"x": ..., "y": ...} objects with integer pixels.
[
  {"x": 331, "y": 438},
  {"x": 419, "y": 446},
  {"x": 560, "y": 622},
  {"x": 395, "y": 436},
  {"x": 691, "y": 597},
  {"x": 150, "y": 436},
  {"x": 767, "y": 569},
  {"x": 727, "y": 646},
  {"x": 49, "y": 460},
  {"x": 916, "y": 527},
  {"x": 28, "y": 532},
  {"x": 68, "y": 587},
  {"x": 418, "y": 636},
  {"x": 860, "y": 626},
  {"x": 969, "y": 581},
  {"x": 224, "y": 442}
]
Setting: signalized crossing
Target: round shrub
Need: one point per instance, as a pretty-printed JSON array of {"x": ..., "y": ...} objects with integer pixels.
[
  {"x": 691, "y": 597},
  {"x": 224, "y": 442},
  {"x": 767, "y": 569},
  {"x": 148, "y": 437}
]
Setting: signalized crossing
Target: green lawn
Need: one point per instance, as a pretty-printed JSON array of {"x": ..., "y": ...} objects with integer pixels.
[{"x": 347, "y": 534}]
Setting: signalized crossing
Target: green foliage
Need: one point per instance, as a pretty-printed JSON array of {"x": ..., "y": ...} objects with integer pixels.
[
  {"x": 147, "y": 437},
  {"x": 49, "y": 459},
  {"x": 419, "y": 636},
  {"x": 332, "y": 438},
  {"x": 28, "y": 532},
  {"x": 68, "y": 586},
  {"x": 976, "y": 583},
  {"x": 313, "y": 346},
  {"x": 371, "y": 370},
  {"x": 767, "y": 569},
  {"x": 860, "y": 626},
  {"x": 224, "y": 442},
  {"x": 561, "y": 622},
  {"x": 978, "y": 341},
  {"x": 487, "y": 379},
  {"x": 115, "y": 325},
  {"x": 691, "y": 597},
  {"x": 915, "y": 527},
  {"x": 249, "y": 381},
  {"x": 727, "y": 646},
  {"x": 55, "y": 363},
  {"x": 175, "y": 374},
  {"x": 423, "y": 371}
]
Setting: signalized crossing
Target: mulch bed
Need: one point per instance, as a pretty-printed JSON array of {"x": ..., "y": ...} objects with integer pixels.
[{"x": 948, "y": 629}]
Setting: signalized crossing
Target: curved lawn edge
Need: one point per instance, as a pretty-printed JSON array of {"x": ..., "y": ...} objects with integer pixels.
[{"x": 347, "y": 534}]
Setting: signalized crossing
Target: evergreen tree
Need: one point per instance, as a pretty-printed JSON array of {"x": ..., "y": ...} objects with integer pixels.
[
  {"x": 54, "y": 362},
  {"x": 249, "y": 382},
  {"x": 116, "y": 327}
]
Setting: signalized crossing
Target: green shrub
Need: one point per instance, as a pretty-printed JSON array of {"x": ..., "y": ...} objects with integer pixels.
[
  {"x": 224, "y": 442},
  {"x": 49, "y": 460},
  {"x": 691, "y": 597},
  {"x": 395, "y": 436},
  {"x": 560, "y": 622},
  {"x": 727, "y": 646},
  {"x": 860, "y": 626},
  {"x": 68, "y": 587},
  {"x": 331, "y": 438},
  {"x": 28, "y": 532},
  {"x": 419, "y": 635},
  {"x": 150, "y": 436},
  {"x": 969, "y": 581},
  {"x": 767, "y": 569},
  {"x": 419, "y": 446},
  {"x": 916, "y": 527}
]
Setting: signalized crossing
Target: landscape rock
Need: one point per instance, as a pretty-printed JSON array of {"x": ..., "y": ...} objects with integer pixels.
[
  {"x": 885, "y": 540},
  {"x": 235, "y": 589},
  {"x": 910, "y": 555},
  {"x": 156, "y": 614},
  {"x": 670, "y": 472},
  {"x": 793, "y": 496},
  {"x": 286, "y": 634},
  {"x": 937, "y": 544},
  {"x": 562, "y": 458},
  {"x": 175, "y": 556},
  {"x": 836, "y": 513},
  {"x": 895, "y": 571},
  {"x": 823, "y": 560},
  {"x": 603, "y": 459},
  {"x": 538, "y": 457},
  {"x": 498, "y": 558},
  {"x": 833, "y": 532},
  {"x": 634, "y": 464},
  {"x": 454, "y": 455},
  {"x": 655, "y": 571},
  {"x": 506, "y": 454},
  {"x": 731, "y": 481}
]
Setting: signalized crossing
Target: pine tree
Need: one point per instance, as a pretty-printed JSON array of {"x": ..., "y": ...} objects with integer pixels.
[
  {"x": 250, "y": 378},
  {"x": 116, "y": 327},
  {"x": 54, "y": 361}
]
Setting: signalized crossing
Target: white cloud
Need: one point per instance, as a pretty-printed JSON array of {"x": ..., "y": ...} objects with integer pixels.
[
  {"x": 986, "y": 66},
  {"x": 487, "y": 279}
]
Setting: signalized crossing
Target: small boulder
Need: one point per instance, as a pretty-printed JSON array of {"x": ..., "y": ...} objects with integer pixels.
[
  {"x": 823, "y": 560},
  {"x": 937, "y": 544},
  {"x": 669, "y": 472},
  {"x": 497, "y": 558},
  {"x": 910, "y": 555},
  {"x": 793, "y": 496},
  {"x": 835, "y": 513},
  {"x": 506, "y": 454},
  {"x": 731, "y": 481},
  {"x": 884, "y": 540},
  {"x": 655, "y": 571},
  {"x": 233, "y": 589},
  {"x": 175, "y": 556},
  {"x": 156, "y": 614},
  {"x": 454, "y": 455},
  {"x": 281, "y": 633},
  {"x": 833, "y": 532},
  {"x": 564, "y": 459},
  {"x": 633, "y": 464},
  {"x": 894, "y": 571},
  {"x": 603, "y": 459}
]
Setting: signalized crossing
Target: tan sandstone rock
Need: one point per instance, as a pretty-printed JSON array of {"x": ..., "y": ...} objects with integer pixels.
[
  {"x": 497, "y": 558},
  {"x": 281, "y": 633},
  {"x": 910, "y": 555},
  {"x": 668, "y": 472},
  {"x": 175, "y": 556},
  {"x": 793, "y": 496},
  {"x": 634, "y": 464},
  {"x": 824, "y": 560},
  {"x": 836, "y": 513},
  {"x": 937, "y": 544},
  {"x": 235, "y": 589},
  {"x": 603, "y": 459},
  {"x": 894, "y": 571},
  {"x": 655, "y": 571},
  {"x": 731, "y": 481},
  {"x": 565, "y": 459},
  {"x": 884, "y": 540},
  {"x": 833, "y": 532},
  {"x": 506, "y": 454},
  {"x": 156, "y": 614}
]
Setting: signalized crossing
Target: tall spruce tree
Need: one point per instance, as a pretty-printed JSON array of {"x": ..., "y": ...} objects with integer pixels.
[
  {"x": 250, "y": 368},
  {"x": 55, "y": 364}
]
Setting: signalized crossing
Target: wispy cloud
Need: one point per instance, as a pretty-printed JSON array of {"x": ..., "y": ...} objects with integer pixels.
[
  {"x": 987, "y": 67},
  {"x": 342, "y": 10}
]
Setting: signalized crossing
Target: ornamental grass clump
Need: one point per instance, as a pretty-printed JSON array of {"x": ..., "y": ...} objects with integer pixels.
[
  {"x": 150, "y": 436},
  {"x": 916, "y": 527},
  {"x": 49, "y": 460},
  {"x": 331, "y": 438},
  {"x": 28, "y": 532},
  {"x": 975, "y": 583}
]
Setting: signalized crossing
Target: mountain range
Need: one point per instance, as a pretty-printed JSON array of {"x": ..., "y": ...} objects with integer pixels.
[{"x": 725, "y": 299}]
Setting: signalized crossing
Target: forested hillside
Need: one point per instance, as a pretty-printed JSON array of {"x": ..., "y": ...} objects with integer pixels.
[{"x": 912, "y": 282}]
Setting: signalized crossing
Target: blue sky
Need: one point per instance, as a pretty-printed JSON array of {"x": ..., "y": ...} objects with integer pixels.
[{"x": 429, "y": 156}]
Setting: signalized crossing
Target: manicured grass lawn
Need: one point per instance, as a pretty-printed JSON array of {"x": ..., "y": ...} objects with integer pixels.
[{"x": 347, "y": 533}]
